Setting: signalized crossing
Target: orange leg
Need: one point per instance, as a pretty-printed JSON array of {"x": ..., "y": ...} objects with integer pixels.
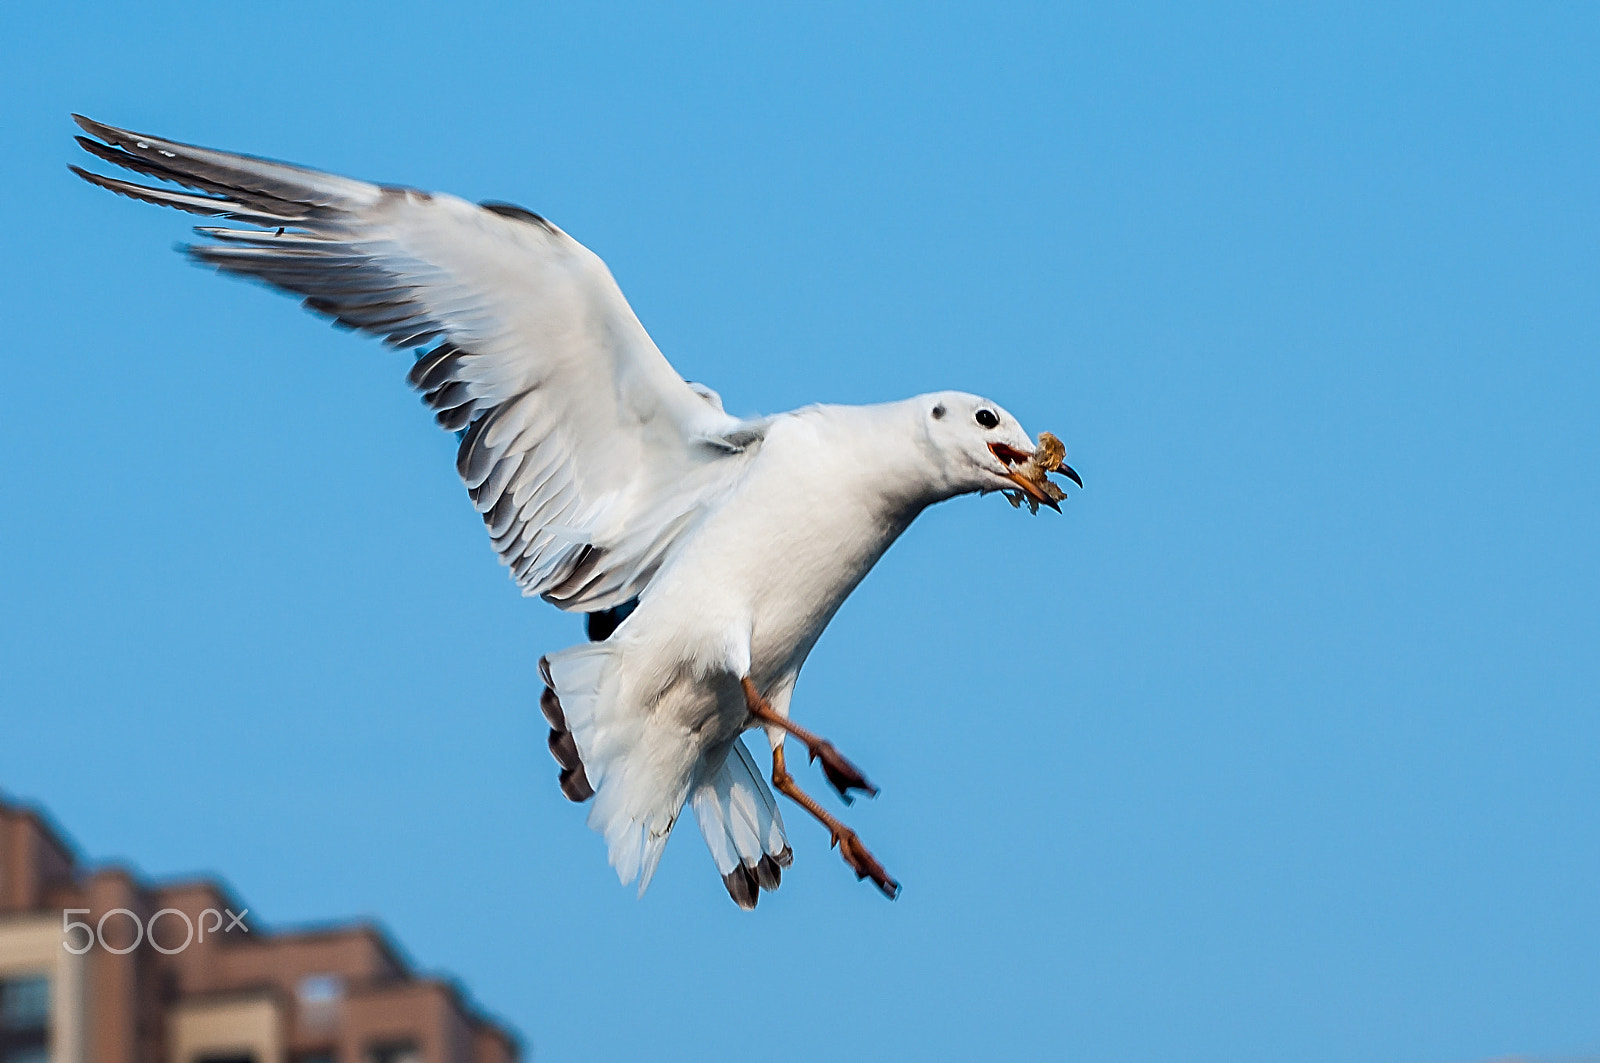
[
  {"x": 862, "y": 862},
  {"x": 843, "y": 775}
]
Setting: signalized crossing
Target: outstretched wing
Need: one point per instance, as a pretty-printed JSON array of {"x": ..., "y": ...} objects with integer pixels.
[{"x": 583, "y": 449}]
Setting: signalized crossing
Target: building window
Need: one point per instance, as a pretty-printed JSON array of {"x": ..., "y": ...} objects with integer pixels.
[
  {"x": 25, "y": 1020},
  {"x": 320, "y": 996},
  {"x": 320, "y": 989},
  {"x": 394, "y": 1052}
]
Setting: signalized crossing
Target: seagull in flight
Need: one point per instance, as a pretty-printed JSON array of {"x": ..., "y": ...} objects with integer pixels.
[{"x": 707, "y": 551}]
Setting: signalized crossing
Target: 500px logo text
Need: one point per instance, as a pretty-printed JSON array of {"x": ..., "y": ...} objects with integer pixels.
[{"x": 144, "y": 929}]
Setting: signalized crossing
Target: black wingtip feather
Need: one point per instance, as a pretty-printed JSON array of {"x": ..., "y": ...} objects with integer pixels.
[
  {"x": 257, "y": 202},
  {"x": 109, "y": 134},
  {"x": 97, "y": 149}
]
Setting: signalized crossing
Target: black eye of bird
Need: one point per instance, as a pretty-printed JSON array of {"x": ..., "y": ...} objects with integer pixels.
[{"x": 986, "y": 418}]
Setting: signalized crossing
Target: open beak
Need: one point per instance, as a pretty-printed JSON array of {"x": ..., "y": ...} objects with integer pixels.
[
  {"x": 1032, "y": 490},
  {"x": 1024, "y": 471}
]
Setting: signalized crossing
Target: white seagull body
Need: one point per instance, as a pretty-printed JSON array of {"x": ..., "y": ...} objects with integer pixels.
[{"x": 605, "y": 479}]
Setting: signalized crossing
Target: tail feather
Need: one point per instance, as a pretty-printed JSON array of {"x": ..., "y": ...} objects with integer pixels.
[
  {"x": 609, "y": 753},
  {"x": 740, "y": 821},
  {"x": 603, "y": 753},
  {"x": 574, "y": 781}
]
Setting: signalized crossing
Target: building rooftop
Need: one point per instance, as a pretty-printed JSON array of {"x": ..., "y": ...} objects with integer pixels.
[{"x": 98, "y": 966}]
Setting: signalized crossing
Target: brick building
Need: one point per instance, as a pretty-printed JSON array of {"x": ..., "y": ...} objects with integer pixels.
[{"x": 99, "y": 967}]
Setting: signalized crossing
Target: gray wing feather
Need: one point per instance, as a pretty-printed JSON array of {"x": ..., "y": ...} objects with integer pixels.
[{"x": 585, "y": 452}]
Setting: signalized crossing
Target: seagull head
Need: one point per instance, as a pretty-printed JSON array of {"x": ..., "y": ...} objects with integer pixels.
[{"x": 981, "y": 447}]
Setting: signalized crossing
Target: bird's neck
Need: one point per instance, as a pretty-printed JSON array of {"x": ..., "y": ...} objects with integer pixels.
[{"x": 887, "y": 468}]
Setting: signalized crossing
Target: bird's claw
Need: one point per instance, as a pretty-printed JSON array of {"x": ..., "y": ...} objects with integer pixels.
[
  {"x": 864, "y": 864},
  {"x": 842, "y": 775}
]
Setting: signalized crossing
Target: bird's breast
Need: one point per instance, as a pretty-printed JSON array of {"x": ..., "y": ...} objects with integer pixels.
[{"x": 784, "y": 551}]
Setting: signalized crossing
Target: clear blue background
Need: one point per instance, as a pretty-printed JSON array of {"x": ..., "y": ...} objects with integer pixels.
[{"x": 1280, "y": 744}]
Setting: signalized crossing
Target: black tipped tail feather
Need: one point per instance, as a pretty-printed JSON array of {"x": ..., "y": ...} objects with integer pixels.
[
  {"x": 746, "y": 881},
  {"x": 574, "y": 783}
]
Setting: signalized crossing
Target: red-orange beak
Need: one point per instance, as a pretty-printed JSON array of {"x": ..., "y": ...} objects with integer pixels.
[{"x": 1030, "y": 477}]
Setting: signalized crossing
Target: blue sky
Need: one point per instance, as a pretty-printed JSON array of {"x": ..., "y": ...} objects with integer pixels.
[{"x": 1281, "y": 743}]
